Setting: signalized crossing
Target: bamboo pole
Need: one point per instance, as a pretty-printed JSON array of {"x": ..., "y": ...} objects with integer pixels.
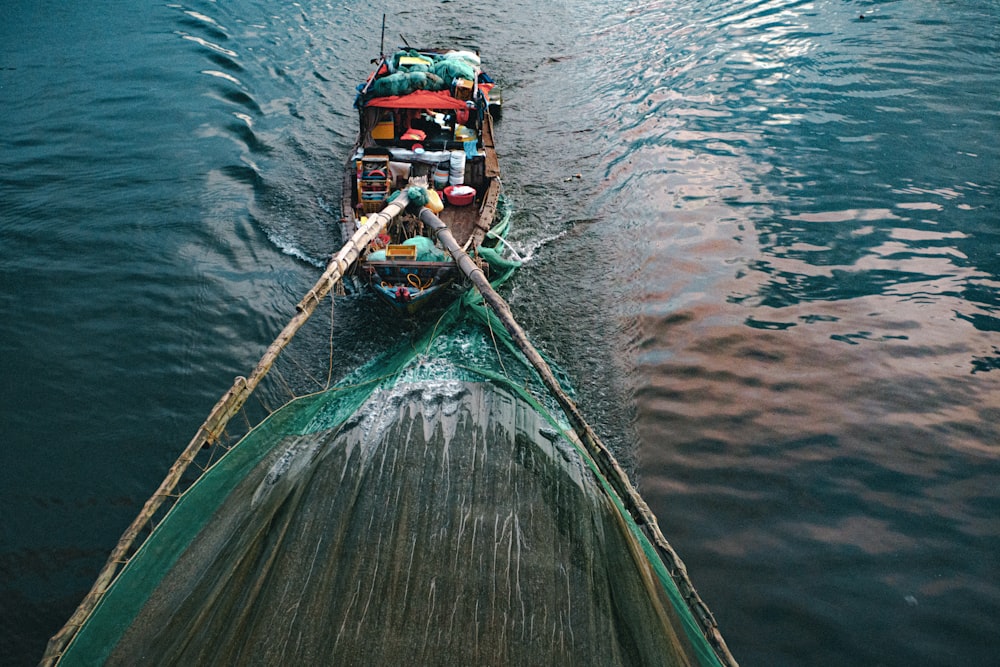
[
  {"x": 230, "y": 404},
  {"x": 605, "y": 460}
]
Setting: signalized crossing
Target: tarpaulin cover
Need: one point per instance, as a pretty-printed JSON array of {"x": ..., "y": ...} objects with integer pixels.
[
  {"x": 431, "y": 509},
  {"x": 420, "y": 99}
]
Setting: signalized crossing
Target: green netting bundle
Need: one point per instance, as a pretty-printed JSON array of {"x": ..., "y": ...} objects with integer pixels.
[
  {"x": 453, "y": 68},
  {"x": 418, "y": 195},
  {"x": 499, "y": 265},
  {"x": 404, "y": 83},
  {"x": 426, "y": 250},
  {"x": 398, "y": 66}
]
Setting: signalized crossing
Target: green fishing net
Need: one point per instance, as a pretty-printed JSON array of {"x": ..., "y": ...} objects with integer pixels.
[{"x": 431, "y": 509}]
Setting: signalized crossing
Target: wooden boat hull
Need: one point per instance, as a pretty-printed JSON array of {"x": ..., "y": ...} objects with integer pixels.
[{"x": 409, "y": 286}]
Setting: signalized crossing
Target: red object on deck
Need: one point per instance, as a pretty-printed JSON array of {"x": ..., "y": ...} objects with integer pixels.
[
  {"x": 420, "y": 99},
  {"x": 459, "y": 195}
]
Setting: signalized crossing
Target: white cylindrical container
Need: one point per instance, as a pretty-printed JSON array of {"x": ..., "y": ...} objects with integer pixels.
[
  {"x": 457, "y": 176},
  {"x": 441, "y": 175}
]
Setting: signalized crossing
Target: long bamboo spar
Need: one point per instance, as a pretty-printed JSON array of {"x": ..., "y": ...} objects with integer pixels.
[
  {"x": 606, "y": 461},
  {"x": 230, "y": 404}
]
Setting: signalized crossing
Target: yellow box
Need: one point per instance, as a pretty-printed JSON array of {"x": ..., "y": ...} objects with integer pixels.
[
  {"x": 384, "y": 130},
  {"x": 406, "y": 61},
  {"x": 401, "y": 252},
  {"x": 463, "y": 89}
]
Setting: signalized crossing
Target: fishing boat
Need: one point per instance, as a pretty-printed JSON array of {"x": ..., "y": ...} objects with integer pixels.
[{"x": 425, "y": 118}]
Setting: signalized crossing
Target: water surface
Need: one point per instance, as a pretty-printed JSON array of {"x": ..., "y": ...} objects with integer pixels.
[{"x": 764, "y": 244}]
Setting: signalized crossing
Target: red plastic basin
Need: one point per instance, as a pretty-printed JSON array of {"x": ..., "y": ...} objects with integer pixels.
[{"x": 459, "y": 195}]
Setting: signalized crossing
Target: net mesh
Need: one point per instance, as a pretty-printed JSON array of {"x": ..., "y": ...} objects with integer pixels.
[{"x": 431, "y": 508}]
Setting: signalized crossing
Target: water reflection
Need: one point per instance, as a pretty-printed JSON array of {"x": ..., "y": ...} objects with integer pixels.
[{"x": 811, "y": 199}]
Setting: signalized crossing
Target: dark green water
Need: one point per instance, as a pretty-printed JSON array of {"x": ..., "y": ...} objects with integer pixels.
[{"x": 775, "y": 283}]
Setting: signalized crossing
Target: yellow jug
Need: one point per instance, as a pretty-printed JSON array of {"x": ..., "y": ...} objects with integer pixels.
[{"x": 434, "y": 201}]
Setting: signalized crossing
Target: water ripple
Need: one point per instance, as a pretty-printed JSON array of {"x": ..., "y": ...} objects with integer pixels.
[{"x": 810, "y": 197}]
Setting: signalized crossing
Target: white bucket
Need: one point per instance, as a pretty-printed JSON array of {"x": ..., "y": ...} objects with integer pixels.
[
  {"x": 441, "y": 175},
  {"x": 457, "y": 175}
]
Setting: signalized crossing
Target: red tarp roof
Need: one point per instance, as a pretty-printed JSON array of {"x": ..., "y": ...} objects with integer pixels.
[{"x": 420, "y": 99}]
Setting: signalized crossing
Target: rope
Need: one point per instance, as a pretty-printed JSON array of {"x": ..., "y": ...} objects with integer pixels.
[
  {"x": 291, "y": 358},
  {"x": 489, "y": 326},
  {"x": 329, "y": 369},
  {"x": 284, "y": 383},
  {"x": 415, "y": 281}
]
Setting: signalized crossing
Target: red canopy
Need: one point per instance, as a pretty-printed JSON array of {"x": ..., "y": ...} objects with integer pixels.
[{"x": 420, "y": 99}]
